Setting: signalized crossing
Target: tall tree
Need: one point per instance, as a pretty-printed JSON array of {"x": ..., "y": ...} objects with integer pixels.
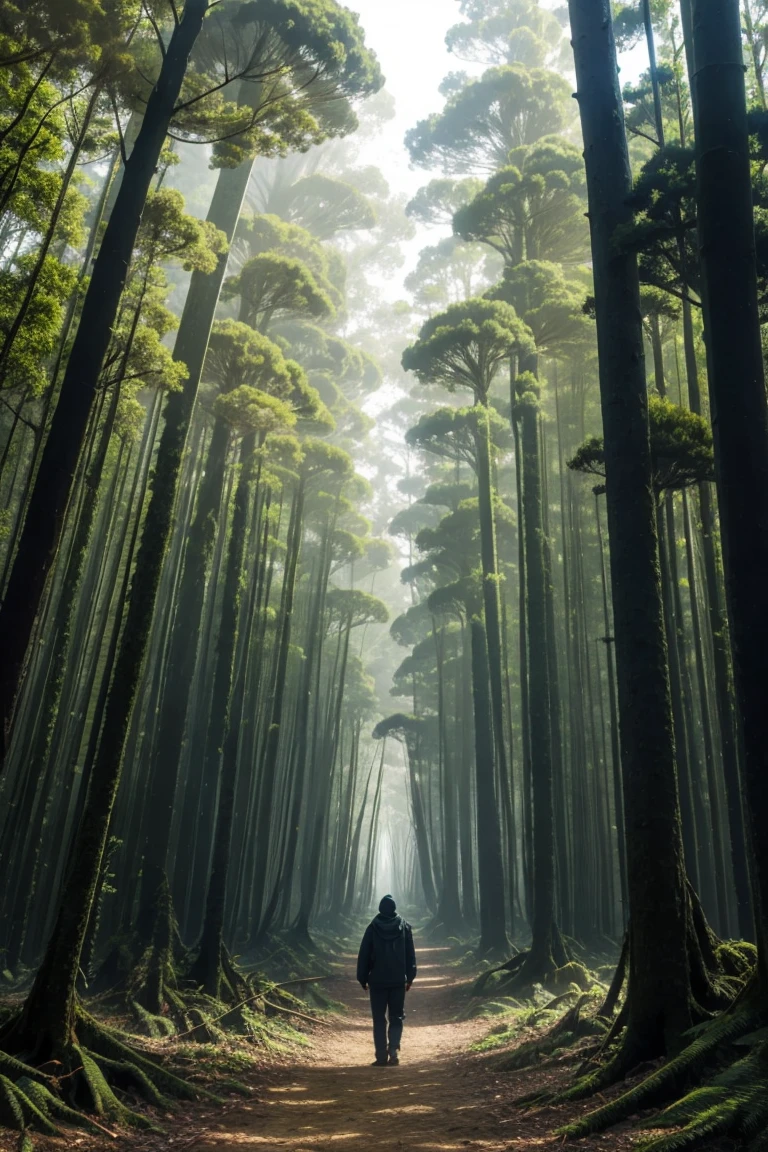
[{"x": 660, "y": 998}]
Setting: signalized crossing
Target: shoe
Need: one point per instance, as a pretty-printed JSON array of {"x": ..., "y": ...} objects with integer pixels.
[
  {"x": 379, "y": 1063},
  {"x": 394, "y": 1058}
]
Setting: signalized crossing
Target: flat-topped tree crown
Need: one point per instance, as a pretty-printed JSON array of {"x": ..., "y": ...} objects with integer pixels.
[
  {"x": 505, "y": 32},
  {"x": 551, "y": 307},
  {"x": 681, "y": 448},
  {"x": 438, "y": 201},
  {"x": 249, "y": 410},
  {"x": 466, "y": 345},
  {"x": 505, "y": 108},
  {"x": 326, "y": 205},
  {"x": 533, "y": 207},
  {"x": 239, "y": 356},
  {"x": 452, "y": 433},
  {"x": 272, "y": 285},
  {"x": 272, "y": 76},
  {"x": 351, "y": 607}
]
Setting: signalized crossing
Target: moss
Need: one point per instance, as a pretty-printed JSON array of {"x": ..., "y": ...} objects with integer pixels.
[
  {"x": 733, "y": 1106},
  {"x": 571, "y": 973},
  {"x": 102, "y": 1099},
  {"x": 707, "y": 1044}
]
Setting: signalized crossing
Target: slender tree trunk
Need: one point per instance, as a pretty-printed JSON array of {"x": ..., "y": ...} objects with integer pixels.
[
  {"x": 190, "y": 348},
  {"x": 493, "y": 936},
  {"x": 540, "y": 960},
  {"x": 208, "y": 968}
]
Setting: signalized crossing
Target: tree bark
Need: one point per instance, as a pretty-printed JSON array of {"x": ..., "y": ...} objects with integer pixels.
[
  {"x": 740, "y": 416},
  {"x": 42, "y": 530},
  {"x": 660, "y": 1007}
]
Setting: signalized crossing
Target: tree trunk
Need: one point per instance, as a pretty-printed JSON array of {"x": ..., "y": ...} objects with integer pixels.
[
  {"x": 493, "y": 936},
  {"x": 190, "y": 348},
  {"x": 208, "y": 969},
  {"x": 53, "y": 484},
  {"x": 540, "y": 960},
  {"x": 740, "y": 417},
  {"x": 659, "y": 1008}
]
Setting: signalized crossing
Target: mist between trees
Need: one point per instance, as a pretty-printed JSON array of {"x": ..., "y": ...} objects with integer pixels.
[{"x": 501, "y": 646}]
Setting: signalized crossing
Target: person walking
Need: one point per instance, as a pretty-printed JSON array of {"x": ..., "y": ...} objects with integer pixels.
[{"x": 386, "y": 966}]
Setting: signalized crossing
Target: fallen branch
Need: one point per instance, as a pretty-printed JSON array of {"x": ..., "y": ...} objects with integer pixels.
[
  {"x": 300, "y": 980},
  {"x": 301, "y": 1015}
]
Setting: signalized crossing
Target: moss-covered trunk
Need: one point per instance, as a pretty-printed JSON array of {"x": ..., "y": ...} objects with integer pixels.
[{"x": 190, "y": 348}]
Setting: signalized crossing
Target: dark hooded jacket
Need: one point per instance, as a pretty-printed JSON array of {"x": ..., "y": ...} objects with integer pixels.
[{"x": 387, "y": 957}]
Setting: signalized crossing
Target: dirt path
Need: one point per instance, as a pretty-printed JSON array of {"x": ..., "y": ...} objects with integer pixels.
[{"x": 434, "y": 1101}]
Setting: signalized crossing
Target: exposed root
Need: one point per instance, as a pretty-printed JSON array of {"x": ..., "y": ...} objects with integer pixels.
[
  {"x": 708, "y": 1044},
  {"x": 19, "y": 1112},
  {"x": 107, "y": 1042},
  {"x": 572, "y": 1027},
  {"x": 100, "y": 1097},
  {"x": 91, "y": 1075},
  {"x": 734, "y": 1105},
  {"x": 555, "y": 979}
]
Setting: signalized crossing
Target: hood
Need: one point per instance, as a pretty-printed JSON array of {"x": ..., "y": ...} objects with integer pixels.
[{"x": 388, "y": 927}]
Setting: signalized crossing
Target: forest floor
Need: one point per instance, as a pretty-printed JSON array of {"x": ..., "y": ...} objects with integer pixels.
[{"x": 441, "y": 1097}]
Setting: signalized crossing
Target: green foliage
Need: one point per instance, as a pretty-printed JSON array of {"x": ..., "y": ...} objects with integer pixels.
[
  {"x": 506, "y": 32},
  {"x": 399, "y": 725},
  {"x": 439, "y": 200},
  {"x": 270, "y": 285},
  {"x": 238, "y": 356},
  {"x": 26, "y": 361},
  {"x": 663, "y": 229},
  {"x": 734, "y": 1105},
  {"x": 452, "y": 432},
  {"x": 267, "y": 233},
  {"x": 706, "y": 1043},
  {"x": 450, "y": 271},
  {"x": 552, "y": 308},
  {"x": 507, "y": 107},
  {"x": 268, "y": 76},
  {"x": 532, "y": 208},
  {"x": 351, "y": 607},
  {"x": 250, "y": 410},
  {"x": 168, "y": 233},
  {"x": 466, "y": 345},
  {"x": 681, "y": 448},
  {"x": 326, "y": 205}
]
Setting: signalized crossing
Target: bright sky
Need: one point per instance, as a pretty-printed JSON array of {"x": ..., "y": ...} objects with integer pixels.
[{"x": 408, "y": 38}]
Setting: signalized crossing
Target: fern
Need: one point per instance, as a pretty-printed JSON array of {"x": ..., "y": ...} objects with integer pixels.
[
  {"x": 660, "y": 1085},
  {"x": 734, "y": 1105}
]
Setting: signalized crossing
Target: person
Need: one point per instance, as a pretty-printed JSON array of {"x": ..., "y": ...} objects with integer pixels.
[{"x": 386, "y": 965}]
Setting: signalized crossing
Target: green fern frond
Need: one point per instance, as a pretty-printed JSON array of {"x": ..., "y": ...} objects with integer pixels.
[
  {"x": 692, "y": 1105},
  {"x": 681, "y": 1070}
]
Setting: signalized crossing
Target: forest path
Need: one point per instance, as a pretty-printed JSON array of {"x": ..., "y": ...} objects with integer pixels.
[{"x": 434, "y": 1101}]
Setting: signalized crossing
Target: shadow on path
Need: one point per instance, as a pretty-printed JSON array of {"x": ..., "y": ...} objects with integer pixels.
[{"x": 431, "y": 1102}]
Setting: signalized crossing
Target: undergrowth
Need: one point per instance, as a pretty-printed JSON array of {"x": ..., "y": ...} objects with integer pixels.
[{"x": 129, "y": 1066}]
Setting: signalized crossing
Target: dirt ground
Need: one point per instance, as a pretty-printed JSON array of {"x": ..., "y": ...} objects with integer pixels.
[
  {"x": 438, "y": 1098},
  {"x": 328, "y": 1096}
]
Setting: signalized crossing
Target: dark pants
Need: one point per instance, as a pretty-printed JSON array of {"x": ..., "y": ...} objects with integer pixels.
[{"x": 383, "y": 1001}]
